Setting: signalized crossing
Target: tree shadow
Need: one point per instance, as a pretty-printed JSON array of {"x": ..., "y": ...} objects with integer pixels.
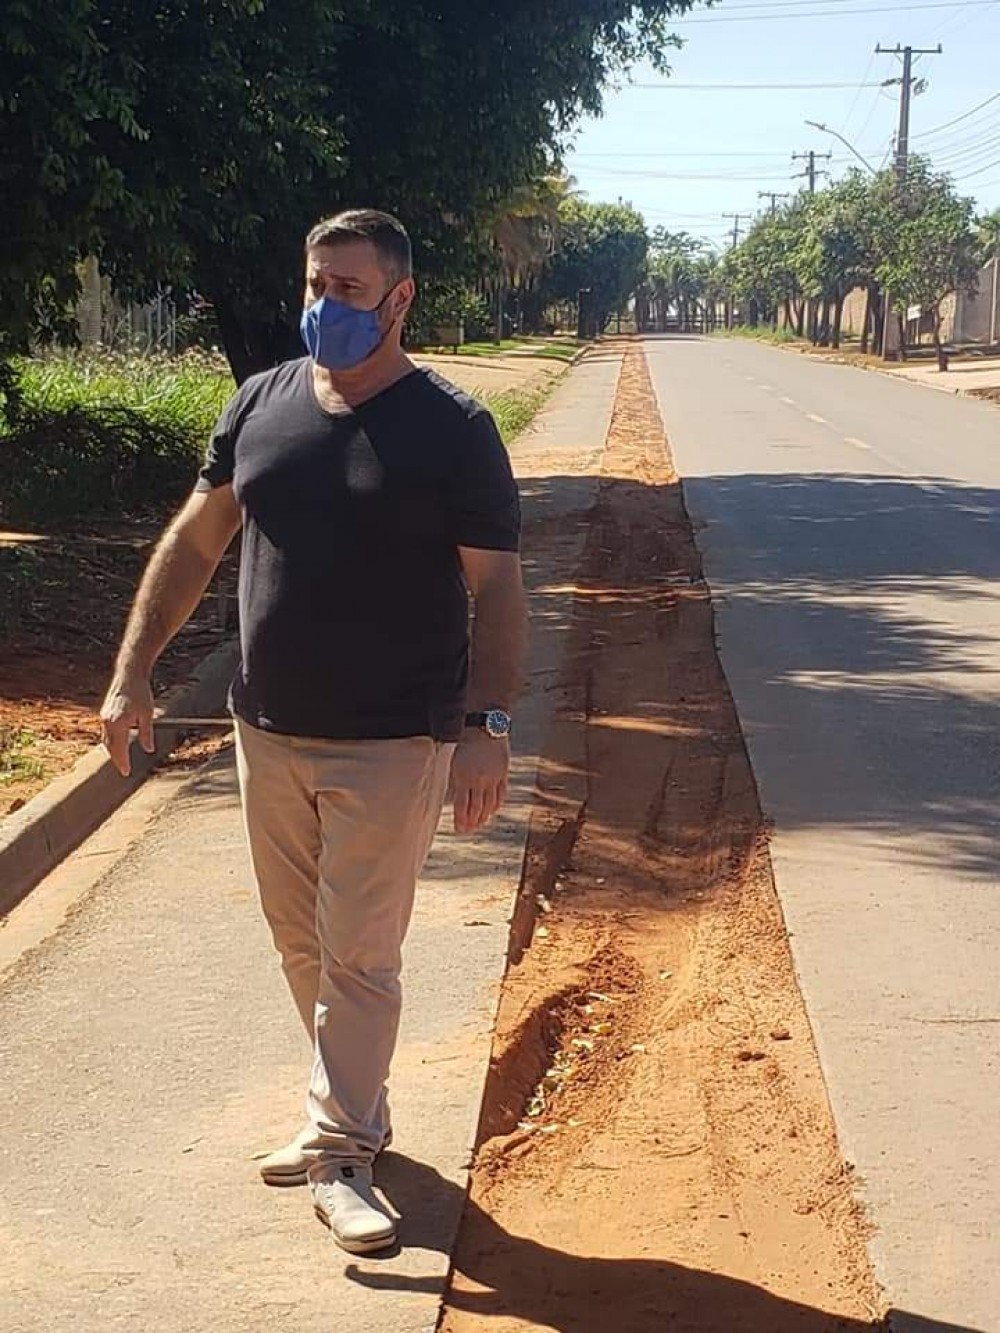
[
  {"x": 496, "y": 1273},
  {"x": 865, "y": 597}
]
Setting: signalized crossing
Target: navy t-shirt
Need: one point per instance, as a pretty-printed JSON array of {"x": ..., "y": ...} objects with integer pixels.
[{"x": 354, "y": 611}]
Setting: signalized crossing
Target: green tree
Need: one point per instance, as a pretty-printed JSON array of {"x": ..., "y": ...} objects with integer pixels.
[
  {"x": 988, "y": 236},
  {"x": 55, "y": 181},
  {"x": 834, "y": 252},
  {"x": 763, "y": 270},
  {"x": 672, "y": 279},
  {"x": 193, "y": 144},
  {"x": 602, "y": 254},
  {"x": 238, "y": 161},
  {"x": 928, "y": 244},
  {"x": 526, "y": 234}
]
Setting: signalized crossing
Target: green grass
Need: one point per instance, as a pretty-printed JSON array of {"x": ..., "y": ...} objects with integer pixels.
[
  {"x": 555, "y": 349},
  {"x": 184, "y": 392},
  {"x": 513, "y": 409},
  {"x": 16, "y": 763},
  {"x": 762, "y": 333},
  {"x": 106, "y": 433}
]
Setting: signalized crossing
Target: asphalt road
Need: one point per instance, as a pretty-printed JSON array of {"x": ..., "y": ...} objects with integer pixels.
[{"x": 850, "y": 529}]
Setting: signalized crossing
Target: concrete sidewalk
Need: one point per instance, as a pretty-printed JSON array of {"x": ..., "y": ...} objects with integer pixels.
[
  {"x": 494, "y": 374},
  {"x": 149, "y": 1050},
  {"x": 961, "y": 377}
]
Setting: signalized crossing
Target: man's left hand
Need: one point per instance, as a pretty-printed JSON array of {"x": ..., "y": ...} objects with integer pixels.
[{"x": 478, "y": 779}]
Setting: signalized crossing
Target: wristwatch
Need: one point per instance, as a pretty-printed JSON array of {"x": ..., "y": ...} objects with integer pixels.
[{"x": 494, "y": 721}]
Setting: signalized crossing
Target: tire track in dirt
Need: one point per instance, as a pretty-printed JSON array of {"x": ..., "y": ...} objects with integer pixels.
[{"x": 656, "y": 1148}]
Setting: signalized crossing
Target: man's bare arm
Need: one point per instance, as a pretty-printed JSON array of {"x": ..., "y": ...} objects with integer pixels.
[
  {"x": 499, "y": 629},
  {"x": 175, "y": 580},
  {"x": 499, "y": 637}
]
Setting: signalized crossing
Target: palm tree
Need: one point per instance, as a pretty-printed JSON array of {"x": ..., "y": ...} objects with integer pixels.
[
  {"x": 988, "y": 235},
  {"x": 526, "y": 234}
]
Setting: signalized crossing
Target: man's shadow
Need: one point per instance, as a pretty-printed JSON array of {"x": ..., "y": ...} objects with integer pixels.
[{"x": 544, "y": 1286}]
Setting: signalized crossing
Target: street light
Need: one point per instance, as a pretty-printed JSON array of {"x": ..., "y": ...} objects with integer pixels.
[{"x": 837, "y": 135}]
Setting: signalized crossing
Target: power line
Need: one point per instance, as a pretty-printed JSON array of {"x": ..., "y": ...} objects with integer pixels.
[
  {"x": 745, "y": 6},
  {"x": 586, "y": 157},
  {"x": 968, "y": 157},
  {"x": 879, "y": 96},
  {"x": 685, "y": 175},
  {"x": 972, "y": 138},
  {"x": 937, "y": 129},
  {"x": 669, "y": 86},
  {"x": 857, "y": 96},
  {"x": 954, "y": 23},
  {"x": 739, "y": 5},
  {"x": 764, "y": 16},
  {"x": 968, "y": 175},
  {"x": 670, "y": 153}
]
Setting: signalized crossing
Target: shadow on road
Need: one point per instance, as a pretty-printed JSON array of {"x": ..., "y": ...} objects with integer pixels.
[
  {"x": 873, "y": 589},
  {"x": 513, "y": 1277}
]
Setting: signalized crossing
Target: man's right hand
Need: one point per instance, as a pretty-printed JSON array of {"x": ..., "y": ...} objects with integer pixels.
[{"x": 128, "y": 707}]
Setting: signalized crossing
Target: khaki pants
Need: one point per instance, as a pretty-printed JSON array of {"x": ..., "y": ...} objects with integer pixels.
[{"x": 338, "y": 833}]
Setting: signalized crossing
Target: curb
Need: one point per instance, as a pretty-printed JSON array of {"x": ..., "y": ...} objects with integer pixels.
[
  {"x": 977, "y": 395},
  {"x": 37, "y": 837}
]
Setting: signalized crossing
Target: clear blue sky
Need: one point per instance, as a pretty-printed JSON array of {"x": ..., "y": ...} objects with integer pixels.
[{"x": 683, "y": 156}]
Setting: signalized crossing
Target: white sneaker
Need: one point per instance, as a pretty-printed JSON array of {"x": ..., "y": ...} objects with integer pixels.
[
  {"x": 348, "y": 1205},
  {"x": 290, "y": 1165}
]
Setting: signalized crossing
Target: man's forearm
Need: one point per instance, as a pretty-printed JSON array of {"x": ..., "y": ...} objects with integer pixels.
[
  {"x": 172, "y": 586},
  {"x": 499, "y": 640}
]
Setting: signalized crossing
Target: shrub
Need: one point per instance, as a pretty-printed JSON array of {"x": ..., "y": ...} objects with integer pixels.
[
  {"x": 439, "y": 304},
  {"x": 102, "y": 434}
]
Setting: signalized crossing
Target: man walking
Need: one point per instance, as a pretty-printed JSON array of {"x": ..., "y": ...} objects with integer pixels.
[{"x": 373, "y": 498}]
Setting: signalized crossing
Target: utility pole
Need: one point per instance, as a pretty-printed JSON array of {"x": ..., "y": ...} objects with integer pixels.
[
  {"x": 810, "y": 161},
  {"x": 902, "y": 137},
  {"x": 736, "y": 219},
  {"x": 774, "y": 197}
]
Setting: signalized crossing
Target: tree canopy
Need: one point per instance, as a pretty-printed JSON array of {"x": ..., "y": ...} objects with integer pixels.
[
  {"x": 194, "y": 145},
  {"x": 913, "y": 238},
  {"x": 602, "y": 252}
]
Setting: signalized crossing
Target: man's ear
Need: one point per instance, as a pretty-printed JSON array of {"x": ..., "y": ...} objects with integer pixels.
[{"x": 405, "y": 294}]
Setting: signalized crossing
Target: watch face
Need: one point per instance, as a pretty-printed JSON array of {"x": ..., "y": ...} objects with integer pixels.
[{"x": 498, "y": 723}]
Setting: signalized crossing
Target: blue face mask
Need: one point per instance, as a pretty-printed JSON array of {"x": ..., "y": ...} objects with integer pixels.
[{"x": 337, "y": 336}]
